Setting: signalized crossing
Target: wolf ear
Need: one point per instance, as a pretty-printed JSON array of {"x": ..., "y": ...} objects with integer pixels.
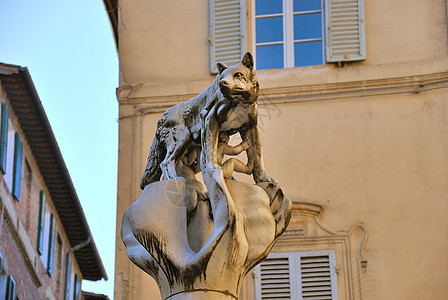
[
  {"x": 248, "y": 61},
  {"x": 221, "y": 67}
]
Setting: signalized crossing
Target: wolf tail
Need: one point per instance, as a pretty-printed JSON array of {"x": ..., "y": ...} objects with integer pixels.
[{"x": 153, "y": 172}]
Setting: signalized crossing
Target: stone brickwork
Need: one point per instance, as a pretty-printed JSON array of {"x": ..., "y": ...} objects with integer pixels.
[{"x": 19, "y": 232}]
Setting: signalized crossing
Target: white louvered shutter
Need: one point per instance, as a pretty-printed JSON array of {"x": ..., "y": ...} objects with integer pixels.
[
  {"x": 297, "y": 275},
  {"x": 345, "y": 30},
  {"x": 273, "y": 279},
  {"x": 316, "y": 273},
  {"x": 227, "y": 32}
]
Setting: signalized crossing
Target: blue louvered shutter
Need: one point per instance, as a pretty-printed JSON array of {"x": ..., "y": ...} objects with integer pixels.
[
  {"x": 4, "y": 137},
  {"x": 17, "y": 173}
]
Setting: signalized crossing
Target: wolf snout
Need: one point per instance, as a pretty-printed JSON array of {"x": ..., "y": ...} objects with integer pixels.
[
  {"x": 224, "y": 86},
  {"x": 224, "y": 83}
]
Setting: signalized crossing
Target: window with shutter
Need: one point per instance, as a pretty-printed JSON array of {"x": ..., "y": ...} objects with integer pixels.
[
  {"x": 10, "y": 150},
  {"x": 46, "y": 231},
  {"x": 227, "y": 32},
  {"x": 4, "y": 137},
  {"x": 17, "y": 173},
  {"x": 68, "y": 278},
  {"x": 297, "y": 275},
  {"x": 10, "y": 288},
  {"x": 40, "y": 228},
  {"x": 77, "y": 288},
  {"x": 50, "y": 260},
  {"x": 294, "y": 33}
]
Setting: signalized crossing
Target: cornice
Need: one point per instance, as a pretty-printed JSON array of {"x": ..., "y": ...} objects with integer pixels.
[
  {"x": 362, "y": 88},
  {"x": 313, "y": 92},
  {"x": 306, "y": 209}
]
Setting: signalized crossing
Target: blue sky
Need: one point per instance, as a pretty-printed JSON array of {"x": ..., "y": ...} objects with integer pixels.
[{"x": 69, "y": 50}]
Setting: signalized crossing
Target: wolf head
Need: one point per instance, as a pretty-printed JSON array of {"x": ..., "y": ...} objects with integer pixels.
[{"x": 238, "y": 82}]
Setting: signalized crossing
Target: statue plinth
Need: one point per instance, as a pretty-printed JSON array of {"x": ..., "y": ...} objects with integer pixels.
[{"x": 241, "y": 223}]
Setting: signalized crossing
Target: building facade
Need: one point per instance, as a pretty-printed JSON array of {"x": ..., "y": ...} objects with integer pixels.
[
  {"x": 46, "y": 248},
  {"x": 352, "y": 113}
]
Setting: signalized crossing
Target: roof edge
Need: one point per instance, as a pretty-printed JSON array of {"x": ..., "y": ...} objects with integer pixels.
[
  {"x": 112, "y": 11},
  {"x": 26, "y": 77}
]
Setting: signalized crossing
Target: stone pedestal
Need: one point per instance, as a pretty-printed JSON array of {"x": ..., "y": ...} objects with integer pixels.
[{"x": 206, "y": 254}]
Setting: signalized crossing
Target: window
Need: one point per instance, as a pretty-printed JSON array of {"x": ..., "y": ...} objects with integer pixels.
[
  {"x": 3, "y": 280},
  {"x": 59, "y": 269},
  {"x": 296, "y": 33},
  {"x": 51, "y": 239},
  {"x": 17, "y": 173},
  {"x": 26, "y": 193},
  {"x": 68, "y": 278},
  {"x": 41, "y": 224},
  {"x": 297, "y": 275},
  {"x": 10, "y": 288},
  {"x": 11, "y": 154},
  {"x": 4, "y": 137},
  {"x": 46, "y": 235},
  {"x": 287, "y": 33},
  {"x": 7, "y": 283},
  {"x": 72, "y": 281},
  {"x": 9, "y": 151},
  {"x": 77, "y": 288}
]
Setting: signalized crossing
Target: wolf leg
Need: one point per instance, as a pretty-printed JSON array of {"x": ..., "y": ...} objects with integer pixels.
[
  {"x": 209, "y": 141},
  {"x": 177, "y": 142},
  {"x": 152, "y": 171},
  {"x": 255, "y": 155}
]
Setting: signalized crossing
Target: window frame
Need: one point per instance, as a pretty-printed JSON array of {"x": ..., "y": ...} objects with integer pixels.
[
  {"x": 68, "y": 276},
  {"x": 51, "y": 245},
  {"x": 288, "y": 41},
  {"x": 8, "y": 176},
  {"x": 17, "y": 169},
  {"x": 340, "y": 43},
  {"x": 76, "y": 288},
  {"x": 4, "y": 137},
  {"x": 48, "y": 241},
  {"x": 10, "y": 285},
  {"x": 41, "y": 224}
]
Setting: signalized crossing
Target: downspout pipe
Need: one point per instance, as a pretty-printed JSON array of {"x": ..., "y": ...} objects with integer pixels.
[{"x": 80, "y": 245}]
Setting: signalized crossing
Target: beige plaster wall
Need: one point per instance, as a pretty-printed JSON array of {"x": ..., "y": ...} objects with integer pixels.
[
  {"x": 381, "y": 161},
  {"x": 367, "y": 141},
  {"x": 157, "y": 38},
  {"x": 165, "y": 41}
]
